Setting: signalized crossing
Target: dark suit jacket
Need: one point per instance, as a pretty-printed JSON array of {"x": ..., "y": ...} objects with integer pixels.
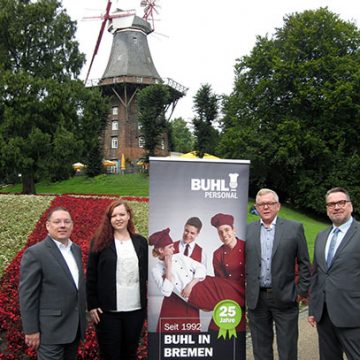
[
  {"x": 289, "y": 247},
  {"x": 101, "y": 275},
  {"x": 340, "y": 284},
  {"x": 50, "y": 303}
]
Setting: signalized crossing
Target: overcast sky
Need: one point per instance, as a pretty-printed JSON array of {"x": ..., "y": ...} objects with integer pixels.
[{"x": 197, "y": 41}]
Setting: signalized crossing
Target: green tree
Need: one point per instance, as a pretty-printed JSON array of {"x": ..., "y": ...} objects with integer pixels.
[
  {"x": 206, "y": 106},
  {"x": 294, "y": 109},
  {"x": 152, "y": 102},
  {"x": 44, "y": 109},
  {"x": 182, "y": 139}
]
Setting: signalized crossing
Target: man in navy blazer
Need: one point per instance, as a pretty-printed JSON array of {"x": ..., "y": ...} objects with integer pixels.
[
  {"x": 334, "y": 306},
  {"x": 275, "y": 247},
  {"x": 52, "y": 291}
]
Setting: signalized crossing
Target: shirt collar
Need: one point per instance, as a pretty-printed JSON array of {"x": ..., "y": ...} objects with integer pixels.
[
  {"x": 191, "y": 245},
  {"x": 273, "y": 223},
  {"x": 344, "y": 227},
  {"x": 60, "y": 245}
]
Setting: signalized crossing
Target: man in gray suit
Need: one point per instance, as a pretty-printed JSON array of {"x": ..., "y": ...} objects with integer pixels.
[
  {"x": 274, "y": 249},
  {"x": 52, "y": 291},
  {"x": 334, "y": 306}
]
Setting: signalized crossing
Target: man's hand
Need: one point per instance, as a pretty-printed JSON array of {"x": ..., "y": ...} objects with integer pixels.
[
  {"x": 312, "y": 321},
  {"x": 95, "y": 315},
  {"x": 188, "y": 288},
  {"x": 33, "y": 340}
]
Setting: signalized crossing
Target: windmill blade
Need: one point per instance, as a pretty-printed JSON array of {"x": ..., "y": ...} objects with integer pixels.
[{"x": 103, "y": 24}]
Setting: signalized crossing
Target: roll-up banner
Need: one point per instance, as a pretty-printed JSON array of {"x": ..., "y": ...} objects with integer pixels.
[{"x": 196, "y": 294}]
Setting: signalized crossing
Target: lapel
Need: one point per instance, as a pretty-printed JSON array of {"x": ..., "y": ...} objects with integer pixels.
[
  {"x": 136, "y": 245},
  {"x": 348, "y": 236},
  {"x": 78, "y": 259},
  {"x": 257, "y": 238},
  {"x": 322, "y": 244},
  {"x": 55, "y": 252},
  {"x": 279, "y": 229}
]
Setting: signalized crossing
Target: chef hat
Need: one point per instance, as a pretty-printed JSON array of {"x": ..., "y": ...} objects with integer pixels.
[
  {"x": 160, "y": 238},
  {"x": 222, "y": 219}
]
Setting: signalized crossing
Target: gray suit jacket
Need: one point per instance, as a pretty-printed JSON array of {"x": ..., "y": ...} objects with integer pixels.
[
  {"x": 50, "y": 303},
  {"x": 340, "y": 284},
  {"x": 289, "y": 247}
]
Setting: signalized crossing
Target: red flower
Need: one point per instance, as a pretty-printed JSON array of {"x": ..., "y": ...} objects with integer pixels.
[{"x": 87, "y": 212}]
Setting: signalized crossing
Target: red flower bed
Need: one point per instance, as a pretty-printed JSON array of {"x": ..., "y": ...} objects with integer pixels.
[{"x": 86, "y": 213}]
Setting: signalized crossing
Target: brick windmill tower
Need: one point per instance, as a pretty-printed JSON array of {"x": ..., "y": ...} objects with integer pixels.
[{"x": 130, "y": 68}]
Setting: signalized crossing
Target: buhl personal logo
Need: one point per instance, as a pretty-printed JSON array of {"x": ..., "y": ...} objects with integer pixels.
[{"x": 217, "y": 188}]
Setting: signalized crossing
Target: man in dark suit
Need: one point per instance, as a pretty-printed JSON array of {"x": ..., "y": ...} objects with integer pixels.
[
  {"x": 52, "y": 291},
  {"x": 334, "y": 306},
  {"x": 274, "y": 248}
]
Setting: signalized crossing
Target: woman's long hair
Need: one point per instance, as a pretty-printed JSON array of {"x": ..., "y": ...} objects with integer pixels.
[{"x": 104, "y": 234}]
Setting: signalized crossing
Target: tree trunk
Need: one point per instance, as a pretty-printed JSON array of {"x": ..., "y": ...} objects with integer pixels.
[{"x": 28, "y": 184}]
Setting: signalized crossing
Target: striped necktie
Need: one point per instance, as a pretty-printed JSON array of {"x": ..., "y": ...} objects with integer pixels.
[{"x": 331, "y": 252}]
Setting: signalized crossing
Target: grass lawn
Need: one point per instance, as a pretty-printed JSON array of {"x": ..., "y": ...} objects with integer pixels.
[
  {"x": 126, "y": 185},
  {"x": 138, "y": 185}
]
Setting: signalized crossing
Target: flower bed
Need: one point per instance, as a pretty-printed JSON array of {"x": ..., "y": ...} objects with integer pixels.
[
  {"x": 18, "y": 216},
  {"x": 86, "y": 213}
]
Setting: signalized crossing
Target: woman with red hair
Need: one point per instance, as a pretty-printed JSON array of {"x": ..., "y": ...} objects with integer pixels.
[{"x": 116, "y": 282}]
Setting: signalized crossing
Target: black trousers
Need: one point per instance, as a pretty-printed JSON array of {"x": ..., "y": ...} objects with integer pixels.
[
  {"x": 118, "y": 334},
  {"x": 334, "y": 341}
]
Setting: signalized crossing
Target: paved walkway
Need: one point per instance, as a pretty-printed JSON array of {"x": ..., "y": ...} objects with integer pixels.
[{"x": 308, "y": 341}]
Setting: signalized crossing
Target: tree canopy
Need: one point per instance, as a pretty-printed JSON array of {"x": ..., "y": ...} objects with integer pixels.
[
  {"x": 48, "y": 119},
  {"x": 206, "y": 106},
  {"x": 152, "y": 102},
  {"x": 182, "y": 140},
  {"x": 294, "y": 109}
]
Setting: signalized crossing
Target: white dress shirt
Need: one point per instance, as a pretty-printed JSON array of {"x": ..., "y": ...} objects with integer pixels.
[{"x": 69, "y": 259}]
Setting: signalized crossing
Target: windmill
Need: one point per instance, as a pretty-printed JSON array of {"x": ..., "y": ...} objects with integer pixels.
[
  {"x": 150, "y": 7},
  {"x": 129, "y": 69}
]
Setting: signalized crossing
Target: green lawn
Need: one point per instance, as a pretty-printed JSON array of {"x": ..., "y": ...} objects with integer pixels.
[
  {"x": 138, "y": 185},
  {"x": 126, "y": 185}
]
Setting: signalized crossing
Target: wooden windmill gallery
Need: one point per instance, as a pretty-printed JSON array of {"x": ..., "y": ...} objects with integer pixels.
[{"x": 130, "y": 68}]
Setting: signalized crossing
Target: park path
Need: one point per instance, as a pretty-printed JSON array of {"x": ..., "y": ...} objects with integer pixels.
[{"x": 308, "y": 341}]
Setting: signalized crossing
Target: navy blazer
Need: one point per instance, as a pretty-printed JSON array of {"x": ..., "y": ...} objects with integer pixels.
[{"x": 101, "y": 275}]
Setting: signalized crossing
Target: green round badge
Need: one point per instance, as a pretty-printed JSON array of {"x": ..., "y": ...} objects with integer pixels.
[{"x": 227, "y": 316}]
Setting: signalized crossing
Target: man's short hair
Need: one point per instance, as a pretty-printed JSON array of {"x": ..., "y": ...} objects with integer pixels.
[
  {"x": 57, "y": 208},
  {"x": 336, "y": 190},
  {"x": 194, "y": 221},
  {"x": 265, "y": 191}
]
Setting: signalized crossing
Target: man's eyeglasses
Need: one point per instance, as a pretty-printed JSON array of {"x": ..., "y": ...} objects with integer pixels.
[
  {"x": 340, "y": 203},
  {"x": 268, "y": 204}
]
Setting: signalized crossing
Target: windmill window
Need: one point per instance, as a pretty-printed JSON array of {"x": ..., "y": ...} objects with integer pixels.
[
  {"x": 141, "y": 141},
  {"x": 114, "y": 125},
  {"x": 114, "y": 143},
  {"x": 162, "y": 144},
  {"x": 115, "y": 110}
]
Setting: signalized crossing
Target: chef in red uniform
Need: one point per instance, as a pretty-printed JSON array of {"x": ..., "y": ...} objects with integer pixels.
[
  {"x": 174, "y": 307},
  {"x": 229, "y": 258},
  {"x": 180, "y": 275}
]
